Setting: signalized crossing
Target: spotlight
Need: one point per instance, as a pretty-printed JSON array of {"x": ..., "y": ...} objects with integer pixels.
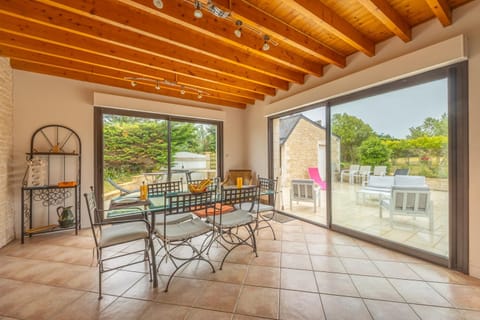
[
  {"x": 157, "y": 85},
  {"x": 266, "y": 46},
  {"x": 133, "y": 83},
  {"x": 199, "y": 95},
  {"x": 182, "y": 90},
  {"x": 158, "y": 4},
  {"x": 198, "y": 12},
  {"x": 238, "y": 31}
]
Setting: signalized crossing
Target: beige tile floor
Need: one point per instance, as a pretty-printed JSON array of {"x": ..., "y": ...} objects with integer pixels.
[
  {"x": 307, "y": 273},
  {"x": 364, "y": 217}
]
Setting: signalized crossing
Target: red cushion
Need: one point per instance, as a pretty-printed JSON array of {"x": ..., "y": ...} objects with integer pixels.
[{"x": 210, "y": 211}]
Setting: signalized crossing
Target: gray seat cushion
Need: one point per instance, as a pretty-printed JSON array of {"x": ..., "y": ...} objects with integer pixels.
[
  {"x": 233, "y": 219},
  {"x": 183, "y": 230},
  {"x": 123, "y": 232},
  {"x": 172, "y": 218},
  {"x": 256, "y": 208}
]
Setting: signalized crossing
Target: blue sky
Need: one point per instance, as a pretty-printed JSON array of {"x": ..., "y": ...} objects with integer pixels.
[{"x": 395, "y": 112}]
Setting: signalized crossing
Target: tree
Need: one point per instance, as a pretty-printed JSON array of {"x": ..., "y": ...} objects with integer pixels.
[
  {"x": 352, "y": 132},
  {"x": 431, "y": 127},
  {"x": 374, "y": 152}
]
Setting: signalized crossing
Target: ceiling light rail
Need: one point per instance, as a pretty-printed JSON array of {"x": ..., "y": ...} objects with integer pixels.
[
  {"x": 210, "y": 7},
  {"x": 158, "y": 82}
]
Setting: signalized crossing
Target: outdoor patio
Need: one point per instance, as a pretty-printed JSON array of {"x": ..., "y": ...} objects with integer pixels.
[{"x": 364, "y": 217}]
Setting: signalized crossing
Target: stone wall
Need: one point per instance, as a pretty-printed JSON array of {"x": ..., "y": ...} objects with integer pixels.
[
  {"x": 300, "y": 151},
  {"x": 7, "y": 216}
]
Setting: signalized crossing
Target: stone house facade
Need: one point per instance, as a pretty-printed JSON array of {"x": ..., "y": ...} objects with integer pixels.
[{"x": 303, "y": 145}]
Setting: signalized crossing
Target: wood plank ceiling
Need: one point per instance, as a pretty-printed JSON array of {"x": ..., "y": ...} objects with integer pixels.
[{"x": 169, "y": 51}]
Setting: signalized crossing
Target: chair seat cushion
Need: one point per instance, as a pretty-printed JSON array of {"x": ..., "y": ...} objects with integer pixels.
[
  {"x": 182, "y": 231},
  {"x": 233, "y": 219},
  {"x": 219, "y": 209},
  {"x": 123, "y": 232}
]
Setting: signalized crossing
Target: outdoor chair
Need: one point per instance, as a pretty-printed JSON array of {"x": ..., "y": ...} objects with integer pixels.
[
  {"x": 362, "y": 174},
  {"x": 233, "y": 174},
  {"x": 123, "y": 191},
  {"x": 118, "y": 232},
  {"x": 176, "y": 238},
  {"x": 304, "y": 190},
  {"x": 409, "y": 201},
  {"x": 266, "y": 204},
  {"x": 401, "y": 172},
  {"x": 246, "y": 216},
  {"x": 350, "y": 173},
  {"x": 315, "y": 176},
  {"x": 379, "y": 170}
]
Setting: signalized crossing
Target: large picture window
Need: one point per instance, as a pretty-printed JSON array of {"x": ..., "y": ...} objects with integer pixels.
[{"x": 133, "y": 148}]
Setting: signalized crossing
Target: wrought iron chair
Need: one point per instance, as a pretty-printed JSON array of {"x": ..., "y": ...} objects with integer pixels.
[
  {"x": 266, "y": 204},
  {"x": 156, "y": 195},
  {"x": 226, "y": 222},
  {"x": 176, "y": 236},
  {"x": 118, "y": 232}
]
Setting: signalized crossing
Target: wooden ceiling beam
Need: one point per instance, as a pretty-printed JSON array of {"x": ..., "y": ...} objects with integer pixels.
[
  {"x": 223, "y": 30},
  {"x": 442, "y": 10},
  {"x": 67, "y": 27},
  {"x": 280, "y": 30},
  {"x": 387, "y": 15},
  {"x": 74, "y": 41},
  {"x": 69, "y": 64},
  {"x": 334, "y": 24},
  {"x": 148, "y": 71},
  {"x": 141, "y": 29},
  {"x": 111, "y": 81}
]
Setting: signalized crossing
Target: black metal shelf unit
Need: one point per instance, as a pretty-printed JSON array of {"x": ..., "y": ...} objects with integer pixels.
[{"x": 52, "y": 180}]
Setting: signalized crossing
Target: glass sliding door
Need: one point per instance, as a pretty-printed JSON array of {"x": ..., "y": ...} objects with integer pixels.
[
  {"x": 133, "y": 148},
  {"x": 393, "y": 182},
  {"x": 299, "y": 161}
]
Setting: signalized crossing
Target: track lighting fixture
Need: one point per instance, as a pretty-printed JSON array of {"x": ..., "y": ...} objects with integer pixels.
[
  {"x": 266, "y": 46},
  {"x": 210, "y": 7},
  {"x": 183, "y": 89},
  {"x": 198, "y": 10},
  {"x": 238, "y": 31},
  {"x": 158, "y": 4}
]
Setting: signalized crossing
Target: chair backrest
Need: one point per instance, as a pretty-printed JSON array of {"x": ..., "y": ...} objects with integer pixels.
[
  {"x": 189, "y": 202},
  {"x": 93, "y": 215},
  {"x": 354, "y": 167},
  {"x": 303, "y": 189},
  {"x": 232, "y": 195},
  {"x": 160, "y": 188},
  {"x": 233, "y": 174},
  {"x": 380, "y": 181},
  {"x": 315, "y": 176},
  {"x": 401, "y": 172},
  {"x": 379, "y": 170},
  {"x": 364, "y": 170},
  {"x": 416, "y": 181},
  {"x": 410, "y": 200},
  {"x": 268, "y": 189}
]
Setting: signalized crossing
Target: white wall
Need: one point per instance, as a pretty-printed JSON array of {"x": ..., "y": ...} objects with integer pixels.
[
  {"x": 393, "y": 59},
  {"x": 40, "y": 100}
]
